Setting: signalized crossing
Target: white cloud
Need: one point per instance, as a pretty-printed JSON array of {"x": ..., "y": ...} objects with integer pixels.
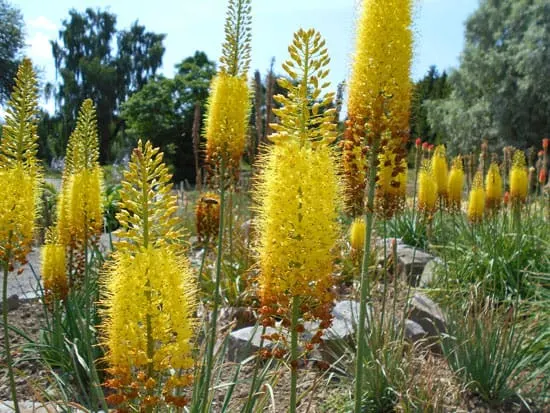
[
  {"x": 42, "y": 23},
  {"x": 39, "y": 46}
]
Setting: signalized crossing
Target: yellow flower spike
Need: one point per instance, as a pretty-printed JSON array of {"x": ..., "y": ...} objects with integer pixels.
[
  {"x": 226, "y": 122},
  {"x": 476, "y": 202},
  {"x": 493, "y": 187},
  {"x": 148, "y": 325},
  {"x": 207, "y": 216},
  {"x": 54, "y": 270},
  {"x": 455, "y": 184},
  {"x": 146, "y": 219},
  {"x": 427, "y": 189},
  {"x": 228, "y": 107},
  {"x": 20, "y": 173},
  {"x": 379, "y": 90},
  {"x": 298, "y": 190},
  {"x": 357, "y": 234},
  {"x": 519, "y": 180},
  {"x": 440, "y": 171}
]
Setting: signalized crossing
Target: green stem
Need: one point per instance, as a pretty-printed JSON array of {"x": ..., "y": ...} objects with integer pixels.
[
  {"x": 294, "y": 353},
  {"x": 9, "y": 361},
  {"x": 213, "y": 327},
  {"x": 369, "y": 216},
  {"x": 385, "y": 275}
]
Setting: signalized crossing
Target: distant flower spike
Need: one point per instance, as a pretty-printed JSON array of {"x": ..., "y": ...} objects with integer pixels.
[
  {"x": 455, "y": 185},
  {"x": 476, "y": 202},
  {"x": 440, "y": 171},
  {"x": 493, "y": 187},
  {"x": 427, "y": 189},
  {"x": 54, "y": 269},
  {"x": 519, "y": 179},
  {"x": 228, "y": 108}
]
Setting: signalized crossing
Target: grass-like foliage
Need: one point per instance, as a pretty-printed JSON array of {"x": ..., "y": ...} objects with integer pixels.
[{"x": 489, "y": 352}]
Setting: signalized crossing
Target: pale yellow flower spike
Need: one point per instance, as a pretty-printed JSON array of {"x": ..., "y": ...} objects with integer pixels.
[
  {"x": 440, "y": 171},
  {"x": 427, "y": 189},
  {"x": 20, "y": 173},
  {"x": 476, "y": 202},
  {"x": 519, "y": 179},
  {"x": 455, "y": 184},
  {"x": 493, "y": 187}
]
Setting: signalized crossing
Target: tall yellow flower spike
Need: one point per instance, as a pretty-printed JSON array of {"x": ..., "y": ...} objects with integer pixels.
[
  {"x": 455, "y": 185},
  {"x": 379, "y": 90},
  {"x": 440, "y": 171},
  {"x": 20, "y": 173},
  {"x": 476, "y": 202},
  {"x": 298, "y": 194},
  {"x": 493, "y": 187},
  {"x": 228, "y": 107},
  {"x": 519, "y": 179},
  {"x": 80, "y": 202},
  {"x": 427, "y": 189},
  {"x": 148, "y": 324}
]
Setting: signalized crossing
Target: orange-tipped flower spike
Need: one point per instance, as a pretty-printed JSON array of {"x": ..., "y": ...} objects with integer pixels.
[
  {"x": 379, "y": 91},
  {"x": 148, "y": 323},
  {"x": 455, "y": 184},
  {"x": 476, "y": 202},
  {"x": 519, "y": 179},
  {"x": 391, "y": 184},
  {"x": 493, "y": 187}
]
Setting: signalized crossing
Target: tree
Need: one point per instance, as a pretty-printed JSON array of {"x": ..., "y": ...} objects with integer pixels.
[
  {"x": 432, "y": 86},
  {"x": 164, "y": 111},
  {"x": 501, "y": 91},
  {"x": 12, "y": 40},
  {"x": 89, "y": 67}
]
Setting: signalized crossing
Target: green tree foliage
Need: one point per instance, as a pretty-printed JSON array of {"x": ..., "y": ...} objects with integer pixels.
[
  {"x": 163, "y": 112},
  {"x": 91, "y": 67},
  {"x": 432, "y": 86},
  {"x": 12, "y": 40},
  {"x": 501, "y": 91}
]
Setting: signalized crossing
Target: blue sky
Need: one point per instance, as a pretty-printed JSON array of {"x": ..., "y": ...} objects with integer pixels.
[{"x": 198, "y": 25}]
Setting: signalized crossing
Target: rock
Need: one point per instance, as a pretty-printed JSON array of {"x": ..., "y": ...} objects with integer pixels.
[
  {"x": 379, "y": 244},
  {"x": 246, "y": 342},
  {"x": 13, "y": 303},
  {"x": 240, "y": 316},
  {"x": 428, "y": 314},
  {"x": 428, "y": 273},
  {"x": 411, "y": 262},
  {"x": 413, "y": 331}
]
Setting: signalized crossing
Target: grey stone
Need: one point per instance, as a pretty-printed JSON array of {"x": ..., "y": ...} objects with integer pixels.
[
  {"x": 428, "y": 273},
  {"x": 411, "y": 262},
  {"x": 13, "y": 302},
  {"x": 246, "y": 342},
  {"x": 36, "y": 407},
  {"x": 414, "y": 331},
  {"x": 428, "y": 314}
]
